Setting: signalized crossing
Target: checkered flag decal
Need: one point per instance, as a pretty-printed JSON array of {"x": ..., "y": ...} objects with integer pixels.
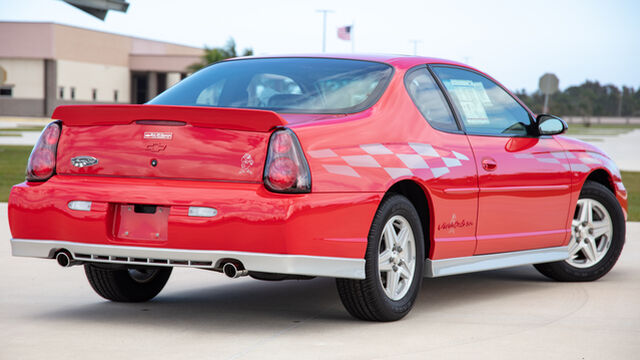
[{"x": 397, "y": 160}]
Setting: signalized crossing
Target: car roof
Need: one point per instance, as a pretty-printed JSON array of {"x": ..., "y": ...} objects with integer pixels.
[
  {"x": 401, "y": 62},
  {"x": 398, "y": 61}
]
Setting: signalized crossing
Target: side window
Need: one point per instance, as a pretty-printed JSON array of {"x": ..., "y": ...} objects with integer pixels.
[
  {"x": 427, "y": 96},
  {"x": 485, "y": 108}
]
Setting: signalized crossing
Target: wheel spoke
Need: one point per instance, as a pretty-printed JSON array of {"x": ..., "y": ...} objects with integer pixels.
[
  {"x": 385, "y": 256},
  {"x": 390, "y": 236},
  {"x": 404, "y": 271},
  {"x": 384, "y": 261},
  {"x": 586, "y": 212},
  {"x": 403, "y": 237},
  {"x": 385, "y": 267},
  {"x": 406, "y": 256},
  {"x": 575, "y": 223},
  {"x": 574, "y": 246},
  {"x": 393, "y": 277},
  {"x": 589, "y": 250},
  {"x": 601, "y": 227}
]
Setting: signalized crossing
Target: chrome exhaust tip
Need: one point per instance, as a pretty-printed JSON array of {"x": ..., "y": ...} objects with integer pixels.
[
  {"x": 234, "y": 270},
  {"x": 64, "y": 259}
]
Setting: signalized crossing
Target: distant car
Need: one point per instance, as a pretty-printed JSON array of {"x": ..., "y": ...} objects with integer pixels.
[{"x": 374, "y": 170}]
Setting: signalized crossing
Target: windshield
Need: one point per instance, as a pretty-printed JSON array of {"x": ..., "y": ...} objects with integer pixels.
[{"x": 286, "y": 85}]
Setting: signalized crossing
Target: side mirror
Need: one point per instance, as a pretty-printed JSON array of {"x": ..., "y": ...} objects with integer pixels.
[{"x": 550, "y": 125}]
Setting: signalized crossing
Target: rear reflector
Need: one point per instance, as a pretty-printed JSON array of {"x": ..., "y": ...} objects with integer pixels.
[
  {"x": 202, "y": 211},
  {"x": 79, "y": 205}
]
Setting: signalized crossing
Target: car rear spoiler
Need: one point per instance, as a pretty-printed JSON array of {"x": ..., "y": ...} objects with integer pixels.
[{"x": 220, "y": 118}]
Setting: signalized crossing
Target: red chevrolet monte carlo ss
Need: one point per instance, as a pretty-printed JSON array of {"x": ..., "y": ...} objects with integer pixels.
[{"x": 374, "y": 170}]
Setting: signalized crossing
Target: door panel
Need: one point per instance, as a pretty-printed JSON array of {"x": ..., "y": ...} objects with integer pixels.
[
  {"x": 524, "y": 199},
  {"x": 523, "y": 179}
]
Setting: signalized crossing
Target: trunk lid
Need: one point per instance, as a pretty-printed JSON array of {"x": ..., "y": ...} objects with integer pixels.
[{"x": 171, "y": 142}]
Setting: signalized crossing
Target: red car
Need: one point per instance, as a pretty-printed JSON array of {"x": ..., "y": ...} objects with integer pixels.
[{"x": 374, "y": 170}]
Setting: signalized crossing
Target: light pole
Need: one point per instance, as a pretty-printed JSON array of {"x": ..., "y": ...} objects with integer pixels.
[
  {"x": 324, "y": 27},
  {"x": 415, "y": 46}
]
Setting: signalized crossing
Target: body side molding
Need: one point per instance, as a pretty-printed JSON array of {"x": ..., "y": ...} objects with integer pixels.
[{"x": 468, "y": 264}]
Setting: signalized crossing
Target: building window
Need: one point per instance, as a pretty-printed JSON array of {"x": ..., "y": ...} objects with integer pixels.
[
  {"x": 115, "y": 95},
  {"x": 94, "y": 94},
  {"x": 73, "y": 93},
  {"x": 61, "y": 92},
  {"x": 6, "y": 90}
]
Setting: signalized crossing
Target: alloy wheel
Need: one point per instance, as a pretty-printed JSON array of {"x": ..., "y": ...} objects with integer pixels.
[
  {"x": 591, "y": 234},
  {"x": 397, "y": 257}
]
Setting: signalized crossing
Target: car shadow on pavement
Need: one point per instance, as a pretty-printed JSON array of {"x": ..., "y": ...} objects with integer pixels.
[{"x": 259, "y": 304}]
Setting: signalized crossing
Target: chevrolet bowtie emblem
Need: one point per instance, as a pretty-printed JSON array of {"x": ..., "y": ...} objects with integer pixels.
[{"x": 156, "y": 147}]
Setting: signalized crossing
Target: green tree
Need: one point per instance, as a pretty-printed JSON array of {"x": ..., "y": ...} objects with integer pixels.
[
  {"x": 213, "y": 55},
  {"x": 588, "y": 99}
]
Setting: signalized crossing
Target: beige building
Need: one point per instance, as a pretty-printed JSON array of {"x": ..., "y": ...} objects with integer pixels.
[{"x": 43, "y": 65}]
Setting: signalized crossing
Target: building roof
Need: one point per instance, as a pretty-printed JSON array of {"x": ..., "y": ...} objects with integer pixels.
[{"x": 42, "y": 40}]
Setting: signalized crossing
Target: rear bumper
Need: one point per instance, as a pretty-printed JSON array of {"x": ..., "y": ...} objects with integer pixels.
[
  {"x": 249, "y": 220},
  {"x": 144, "y": 256}
]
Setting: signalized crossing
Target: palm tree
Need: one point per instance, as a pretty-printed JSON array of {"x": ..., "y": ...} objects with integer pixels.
[{"x": 213, "y": 55}]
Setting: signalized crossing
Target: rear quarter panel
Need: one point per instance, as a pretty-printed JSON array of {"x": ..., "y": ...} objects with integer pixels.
[{"x": 391, "y": 142}]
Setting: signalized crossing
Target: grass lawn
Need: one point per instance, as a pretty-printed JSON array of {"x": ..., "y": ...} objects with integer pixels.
[
  {"x": 21, "y": 128},
  {"x": 631, "y": 181},
  {"x": 13, "y": 161}
]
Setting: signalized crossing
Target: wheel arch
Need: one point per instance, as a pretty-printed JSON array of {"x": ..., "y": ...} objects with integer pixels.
[
  {"x": 602, "y": 177},
  {"x": 420, "y": 200}
]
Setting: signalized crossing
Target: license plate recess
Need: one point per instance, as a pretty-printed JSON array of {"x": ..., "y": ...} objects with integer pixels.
[{"x": 136, "y": 222}]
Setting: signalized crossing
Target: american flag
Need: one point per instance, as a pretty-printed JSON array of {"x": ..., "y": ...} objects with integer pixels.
[{"x": 344, "y": 33}]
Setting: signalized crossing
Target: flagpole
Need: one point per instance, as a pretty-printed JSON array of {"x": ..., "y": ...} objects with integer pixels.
[
  {"x": 353, "y": 39},
  {"x": 324, "y": 27}
]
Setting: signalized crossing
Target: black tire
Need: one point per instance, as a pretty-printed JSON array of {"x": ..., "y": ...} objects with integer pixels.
[
  {"x": 127, "y": 285},
  {"x": 366, "y": 299},
  {"x": 564, "y": 271}
]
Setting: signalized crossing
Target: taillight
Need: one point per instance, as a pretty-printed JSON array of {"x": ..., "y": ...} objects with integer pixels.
[
  {"x": 42, "y": 161},
  {"x": 286, "y": 169}
]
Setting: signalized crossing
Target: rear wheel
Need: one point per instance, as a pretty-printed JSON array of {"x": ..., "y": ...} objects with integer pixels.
[
  {"x": 127, "y": 285},
  {"x": 597, "y": 237},
  {"x": 393, "y": 268}
]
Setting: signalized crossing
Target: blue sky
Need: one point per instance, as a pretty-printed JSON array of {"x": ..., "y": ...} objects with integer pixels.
[{"x": 514, "y": 41}]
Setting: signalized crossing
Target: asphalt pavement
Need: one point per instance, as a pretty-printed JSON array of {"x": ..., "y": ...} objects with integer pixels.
[{"x": 48, "y": 312}]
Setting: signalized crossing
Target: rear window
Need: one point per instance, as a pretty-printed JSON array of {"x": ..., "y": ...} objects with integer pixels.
[{"x": 286, "y": 85}]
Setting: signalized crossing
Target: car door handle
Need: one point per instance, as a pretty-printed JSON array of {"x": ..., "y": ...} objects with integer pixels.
[{"x": 489, "y": 164}]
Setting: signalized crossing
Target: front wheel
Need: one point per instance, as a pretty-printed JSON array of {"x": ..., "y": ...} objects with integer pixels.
[
  {"x": 597, "y": 237},
  {"x": 393, "y": 268},
  {"x": 127, "y": 285}
]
